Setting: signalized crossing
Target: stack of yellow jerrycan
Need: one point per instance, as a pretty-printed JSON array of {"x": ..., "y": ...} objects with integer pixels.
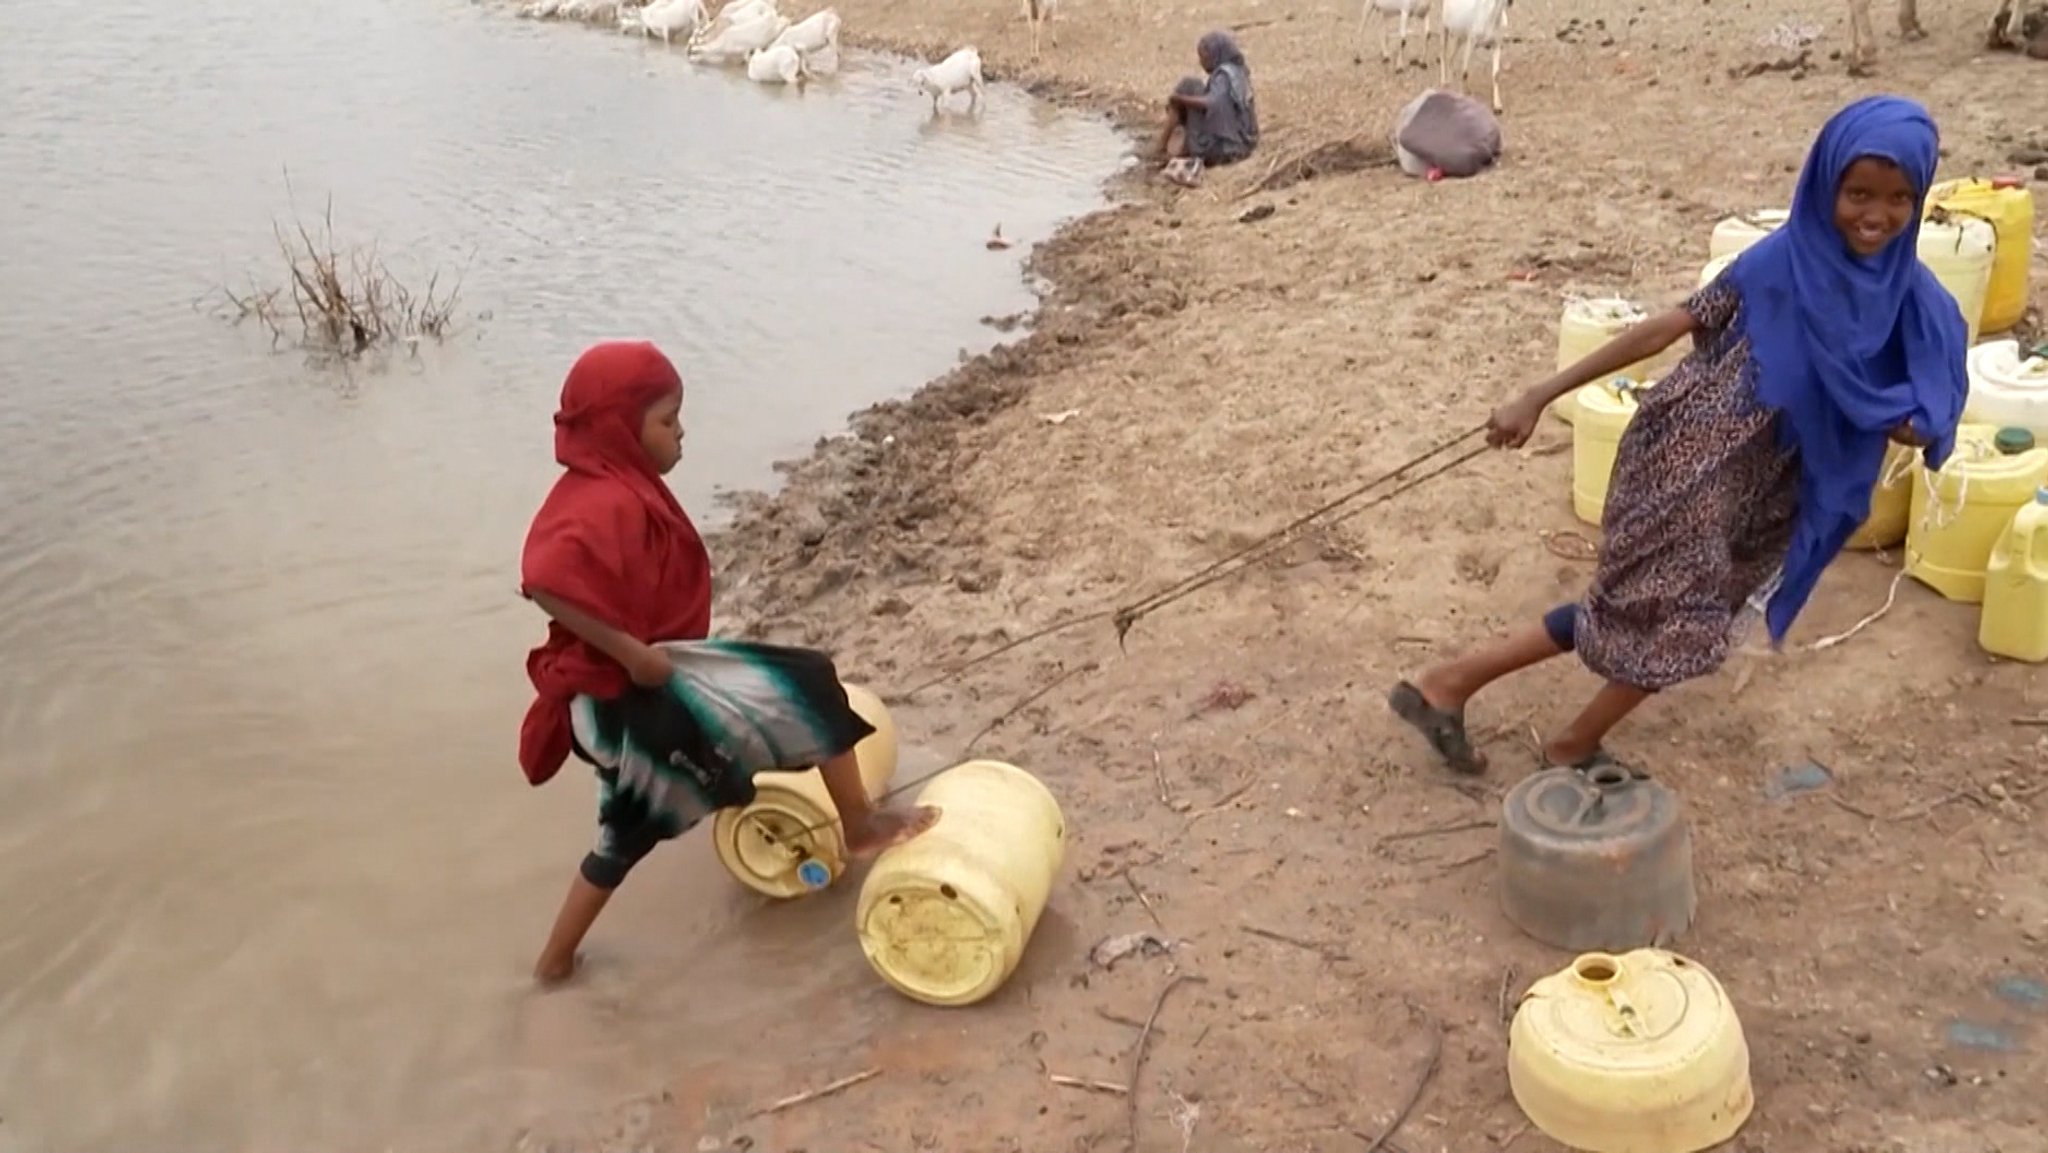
[
  {"x": 944, "y": 917},
  {"x": 1958, "y": 243},
  {"x": 2015, "y": 620},
  {"x": 1959, "y": 513},
  {"x": 1604, "y": 412},
  {"x": 2006, "y": 204},
  {"x": 1636, "y": 1053},
  {"x": 1585, "y": 327},
  {"x": 1891, "y": 502},
  {"x": 788, "y": 842}
]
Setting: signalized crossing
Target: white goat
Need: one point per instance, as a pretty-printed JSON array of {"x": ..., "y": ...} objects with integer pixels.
[
  {"x": 741, "y": 40},
  {"x": 1403, "y": 8},
  {"x": 776, "y": 64},
  {"x": 1863, "y": 38},
  {"x": 671, "y": 18},
  {"x": 814, "y": 33},
  {"x": 590, "y": 11},
  {"x": 1473, "y": 23},
  {"x": 1039, "y": 14},
  {"x": 960, "y": 70},
  {"x": 736, "y": 12}
]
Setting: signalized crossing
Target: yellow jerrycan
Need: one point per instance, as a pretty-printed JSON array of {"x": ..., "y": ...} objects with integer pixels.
[
  {"x": 1735, "y": 233},
  {"x": 1959, "y": 512},
  {"x": 1960, "y": 250},
  {"x": 1605, "y": 410},
  {"x": 2008, "y": 386},
  {"x": 1891, "y": 502},
  {"x": 2007, "y": 205},
  {"x": 788, "y": 842},
  {"x": 2015, "y": 620},
  {"x": 1585, "y": 326},
  {"x": 1636, "y": 1053},
  {"x": 944, "y": 918}
]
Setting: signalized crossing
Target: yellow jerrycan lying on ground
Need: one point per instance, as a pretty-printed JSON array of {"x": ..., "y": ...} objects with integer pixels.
[
  {"x": 788, "y": 842},
  {"x": 944, "y": 917},
  {"x": 1636, "y": 1053}
]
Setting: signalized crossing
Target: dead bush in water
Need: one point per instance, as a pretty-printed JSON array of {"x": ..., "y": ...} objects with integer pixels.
[{"x": 342, "y": 304}]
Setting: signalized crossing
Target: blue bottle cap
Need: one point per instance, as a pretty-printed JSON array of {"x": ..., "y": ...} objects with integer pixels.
[
  {"x": 814, "y": 874},
  {"x": 2041, "y": 495}
]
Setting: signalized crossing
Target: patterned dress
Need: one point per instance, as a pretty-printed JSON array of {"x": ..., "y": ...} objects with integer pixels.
[
  {"x": 668, "y": 757},
  {"x": 1699, "y": 513}
]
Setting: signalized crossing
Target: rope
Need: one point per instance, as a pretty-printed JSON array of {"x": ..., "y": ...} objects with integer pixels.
[
  {"x": 1128, "y": 615},
  {"x": 1124, "y": 616}
]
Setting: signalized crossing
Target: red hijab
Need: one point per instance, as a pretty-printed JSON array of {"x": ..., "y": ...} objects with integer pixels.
[{"x": 610, "y": 539}]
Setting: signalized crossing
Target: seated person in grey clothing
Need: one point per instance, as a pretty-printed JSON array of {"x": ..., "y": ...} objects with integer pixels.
[{"x": 1212, "y": 119}]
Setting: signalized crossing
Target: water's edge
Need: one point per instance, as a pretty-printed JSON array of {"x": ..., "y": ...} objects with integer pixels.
[{"x": 741, "y": 513}]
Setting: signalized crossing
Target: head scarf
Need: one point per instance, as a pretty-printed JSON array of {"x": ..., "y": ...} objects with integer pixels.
[
  {"x": 1219, "y": 49},
  {"x": 1848, "y": 347},
  {"x": 610, "y": 539}
]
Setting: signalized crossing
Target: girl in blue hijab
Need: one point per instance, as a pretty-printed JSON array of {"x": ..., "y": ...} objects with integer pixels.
[{"x": 1756, "y": 456}]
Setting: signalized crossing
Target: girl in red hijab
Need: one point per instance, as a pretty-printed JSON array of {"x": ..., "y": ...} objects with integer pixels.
[{"x": 676, "y": 725}]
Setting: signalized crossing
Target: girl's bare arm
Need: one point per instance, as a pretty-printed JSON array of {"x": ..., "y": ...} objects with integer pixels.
[
  {"x": 1640, "y": 342},
  {"x": 643, "y": 662}
]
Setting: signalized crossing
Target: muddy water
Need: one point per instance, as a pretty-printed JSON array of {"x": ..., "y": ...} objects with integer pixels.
[{"x": 269, "y": 875}]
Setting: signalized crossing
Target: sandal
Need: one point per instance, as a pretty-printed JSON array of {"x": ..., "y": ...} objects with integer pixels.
[{"x": 1444, "y": 729}]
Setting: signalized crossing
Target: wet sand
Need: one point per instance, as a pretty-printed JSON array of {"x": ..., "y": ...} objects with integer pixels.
[{"x": 1232, "y": 779}]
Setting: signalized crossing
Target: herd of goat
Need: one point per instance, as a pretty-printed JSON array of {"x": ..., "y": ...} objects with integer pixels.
[{"x": 774, "y": 49}]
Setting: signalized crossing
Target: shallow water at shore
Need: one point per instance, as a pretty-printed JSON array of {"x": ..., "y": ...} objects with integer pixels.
[{"x": 272, "y": 878}]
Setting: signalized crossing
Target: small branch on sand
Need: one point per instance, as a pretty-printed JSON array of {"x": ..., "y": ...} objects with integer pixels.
[
  {"x": 1330, "y": 158},
  {"x": 1092, "y": 1086},
  {"x": 1026, "y": 701},
  {"x": 795, "y": 1099},
  {"x": 1139, "y": 892},
  {"x": 1324, "y": 949},
  {"x": 1144, "y": 1044},
  {"x": 1159, "y": 774},
  {"x": 1437, "y": 831},
  {"x": 1430, "y": 1065}
]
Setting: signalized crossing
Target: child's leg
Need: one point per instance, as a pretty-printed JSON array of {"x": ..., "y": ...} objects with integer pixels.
[
  {"x": 579, "y": 910},
  {"x": 620, "y": 845},
  {"x": 1580, "y": 740},
  {"x": 1435, "y": 701},
  {"x": 868, "y": 829},
  {"x": 1449, "y": 685}
]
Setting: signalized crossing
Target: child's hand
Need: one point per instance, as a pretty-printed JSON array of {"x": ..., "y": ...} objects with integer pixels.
[
  {"x": 650, "y": 668},
  {"x": 1905, "y": 435},
  {"x": 1513, "y": 423}
]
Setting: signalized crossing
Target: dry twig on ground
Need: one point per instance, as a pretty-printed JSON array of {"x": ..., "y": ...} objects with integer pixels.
[{"x": 1331, "y": 158}]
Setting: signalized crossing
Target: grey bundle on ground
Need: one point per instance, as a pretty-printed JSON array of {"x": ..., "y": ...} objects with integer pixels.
[{"x": 1448, "y": 132}]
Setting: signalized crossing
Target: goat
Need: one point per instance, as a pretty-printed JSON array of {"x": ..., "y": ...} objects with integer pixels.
[
  {"x": 1863, "y": 39},
  {"x": 776, "y": 64},
  {"x": 740, "y": 40},
  {"x": 1474, "y": 23},
  {"x": 1039, "y": 14},
  {"x": 670, "y": 18},
  {"x": 735, "y": 13},
  {"x": 1367, "y": 9},
  {"x": 814, "y": 33},
  {"x": 960, "y": 70}
]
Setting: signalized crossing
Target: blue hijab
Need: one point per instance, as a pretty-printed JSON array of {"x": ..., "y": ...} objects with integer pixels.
[{"x": 1847, "y": 347}]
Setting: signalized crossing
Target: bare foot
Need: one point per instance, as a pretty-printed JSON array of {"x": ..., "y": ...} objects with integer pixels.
[
  {"x": 549, "y": 972},
  {"x": 883, "y": 830}
]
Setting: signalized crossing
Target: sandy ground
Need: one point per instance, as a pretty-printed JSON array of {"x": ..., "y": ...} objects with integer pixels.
[{"x": 1233, "y": 780}]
